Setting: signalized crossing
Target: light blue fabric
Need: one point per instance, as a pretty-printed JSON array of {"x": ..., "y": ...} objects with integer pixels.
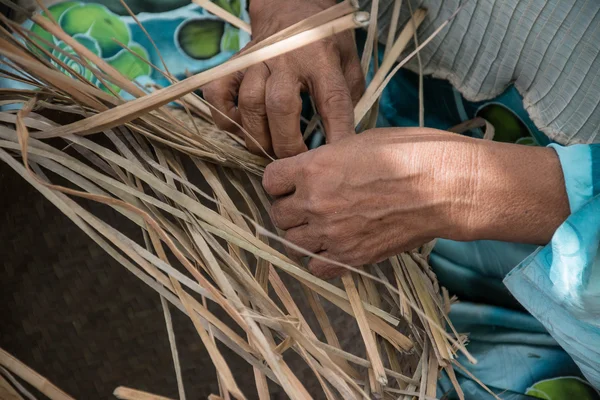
[
  {"x": 560, "y": 283},
  {"x": 513, "y": 350},
  {"x": 474, "y": 270},
  {"x": 577, "y": 167},
  {"x": 516, "y": 350}
]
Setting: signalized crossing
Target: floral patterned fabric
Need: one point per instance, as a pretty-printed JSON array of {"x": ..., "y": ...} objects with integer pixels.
[{"x": 188, "y": 38}]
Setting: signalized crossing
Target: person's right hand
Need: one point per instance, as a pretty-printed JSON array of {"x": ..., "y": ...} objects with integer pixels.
[{"x": 268, "y": 94}]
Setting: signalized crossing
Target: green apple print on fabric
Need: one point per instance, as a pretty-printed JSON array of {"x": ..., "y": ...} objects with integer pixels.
[
  {"x": 97, "y": 22},
  {"x": 211, "y": 32},
  {"x": 100, "y": 31},
  {"x": 185, "y": 36},
  {"x": 216, "y": 36},
  {"x": 564, "y": 388}
]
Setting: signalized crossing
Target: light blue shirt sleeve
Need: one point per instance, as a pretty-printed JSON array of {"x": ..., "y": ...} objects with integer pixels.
[{"x": 559, "y": 284}]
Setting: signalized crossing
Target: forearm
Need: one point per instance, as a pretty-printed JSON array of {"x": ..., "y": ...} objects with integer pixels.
[
  {"x": 517, "y": 194},
  {"x": 270, "y": 16},
  {"x": 361, "y": 199}
]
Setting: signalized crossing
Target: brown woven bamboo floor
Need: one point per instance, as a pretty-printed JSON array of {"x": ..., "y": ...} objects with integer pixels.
[{"x": 70, "y": 312}]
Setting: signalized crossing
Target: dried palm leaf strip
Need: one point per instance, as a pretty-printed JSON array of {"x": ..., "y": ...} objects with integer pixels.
[
  {"x": 224, "y": 14},
  {"x": 30, "y": 376},
  {"x": 133, "y": 109},
  {"x": 288, "y": 380},
  {"x": 365, "y": 329}
]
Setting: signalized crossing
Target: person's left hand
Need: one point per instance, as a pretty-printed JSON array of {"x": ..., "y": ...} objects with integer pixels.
[{"x": 367, "y": 197}]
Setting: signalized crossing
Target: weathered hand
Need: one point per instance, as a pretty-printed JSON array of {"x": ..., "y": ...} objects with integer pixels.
[
  {"x": 369, "y": 196},
  {"x": 362, "y": 199},
  {"x": 268, "y": 94}
]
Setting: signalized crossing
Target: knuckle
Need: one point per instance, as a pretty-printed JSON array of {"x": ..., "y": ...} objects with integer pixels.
[
  {"x": 331, "y": 234},
  {"x": 280, "y": 109},
  {"x": 327, "y": 47},
  {"x": 313, "y": 203},
  {"x": 217, "y": 96},
  {"x": 251, "y": 100},
  {"x": 296, "y": 239},
  {"x": 336, "y": 99},
  {"x": 281, "y": 102},
  {"x": 311, "y": 170}
]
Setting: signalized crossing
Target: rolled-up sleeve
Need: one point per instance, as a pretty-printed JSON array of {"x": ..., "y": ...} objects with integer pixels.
[{"x": 560, "y": 283}]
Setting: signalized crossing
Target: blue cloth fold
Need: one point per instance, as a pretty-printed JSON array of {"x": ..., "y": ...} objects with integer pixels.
[{"x": 560, "y": 286}]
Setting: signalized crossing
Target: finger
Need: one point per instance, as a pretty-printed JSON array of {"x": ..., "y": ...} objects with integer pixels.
[
  {"x": 334, "y": 104},
  {"x": 284, "y": 106},
  {"x": 221, "y": 94},
  {"x": 278, "y": 179},
  {"x": 324, "y": 269},
  {"x": 352, "y": 70},
  {"x": 287, "y": 213},
  {"x": 356, "y": 83},
  {"x": 304, "y": 237},
  {"x": 253, "y": 110}
]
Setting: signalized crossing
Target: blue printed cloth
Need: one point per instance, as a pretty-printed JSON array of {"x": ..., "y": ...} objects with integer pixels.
[
  {"x": 560, "y": 283},
  {"x": 187, "y": 37}
]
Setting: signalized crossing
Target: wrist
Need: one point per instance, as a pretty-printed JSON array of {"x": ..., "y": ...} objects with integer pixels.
[
  {"x": 517, "y": 194},
  {"x": 433, "y": 174},
  {"x": 453, "y": 183},
  {"x": 286, "y": 12},
  {"x": 257, "y": 6}
]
